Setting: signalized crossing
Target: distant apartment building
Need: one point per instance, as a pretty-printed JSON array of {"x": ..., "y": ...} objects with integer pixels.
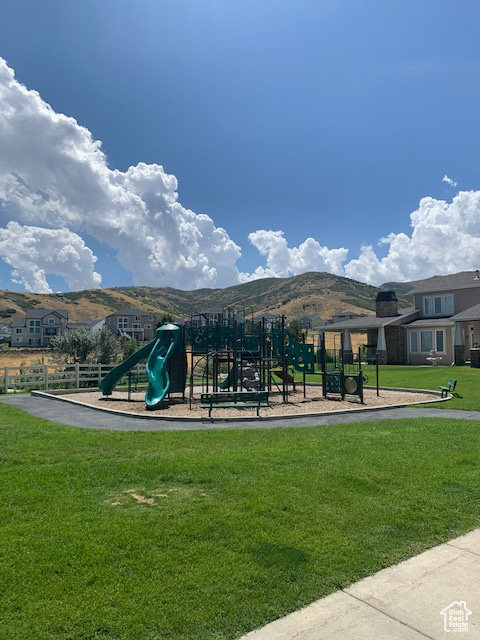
[
  {"x": 38, "y": 327},
  {"x": 132, "y": 324}
]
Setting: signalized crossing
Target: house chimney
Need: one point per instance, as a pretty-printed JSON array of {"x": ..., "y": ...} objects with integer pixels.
[{"x": 386, "y": 304}]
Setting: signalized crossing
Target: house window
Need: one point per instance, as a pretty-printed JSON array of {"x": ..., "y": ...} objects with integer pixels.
[
  {"x": 136, "y": 325},
  {"x": 147, "y": 326},
  {"x": 51, "y": 321},
  {"x": 18, "y": 331},
  {"x": 413, "y": 342},
  {"x": 18, "y": 339},
  {"x": 427, "y": 340},
  {"x": 448, "y": 305},
  {"x": 439, "y": 341},
  {"x": 137, "y": 318},
  {"x": 122, "y": 323},
  {"x": 34, "y": 326},
  {"x": 438, "y": 305},
  {"x": 50, "y": 331}
]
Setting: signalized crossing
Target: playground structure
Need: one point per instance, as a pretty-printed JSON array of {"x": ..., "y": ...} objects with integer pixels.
[{"x": 236, "y": 357}]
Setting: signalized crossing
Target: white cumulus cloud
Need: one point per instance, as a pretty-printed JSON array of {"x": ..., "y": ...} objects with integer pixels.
[
  {"x": 54, "y": 176},
  {"x": 283, "y": 261},
  {"x": 445, "y": 238},
  {"x": 33, "y": 252}
]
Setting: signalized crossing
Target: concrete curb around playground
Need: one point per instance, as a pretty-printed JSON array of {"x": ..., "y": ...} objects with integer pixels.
[{"x": 403, "y": 602}]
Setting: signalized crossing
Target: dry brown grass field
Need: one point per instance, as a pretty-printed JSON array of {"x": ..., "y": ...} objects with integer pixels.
[{"x": 20, "y": 357}]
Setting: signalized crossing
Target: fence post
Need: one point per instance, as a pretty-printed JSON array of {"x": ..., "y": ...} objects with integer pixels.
[
  {"x": 77, "y": 375},
  {"x": 45, "y": 369},
  {"x": 5, "y": 380},
  {"x": 99, "y": 373}
]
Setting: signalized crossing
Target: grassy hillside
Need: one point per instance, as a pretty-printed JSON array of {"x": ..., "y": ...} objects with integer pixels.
[{"x": 307, "y": 294}]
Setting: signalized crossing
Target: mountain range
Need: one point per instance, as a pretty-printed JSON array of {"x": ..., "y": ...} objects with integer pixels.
[{"x": 313, "y": 293}]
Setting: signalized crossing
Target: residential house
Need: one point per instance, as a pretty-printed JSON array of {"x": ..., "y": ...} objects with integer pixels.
[
  {"x": 134, "y": 324},
  {"x": 91, "y": 325},
  {"x": 223, "y": 316},
  {"x": 448, "y": 320},
  {"x": 444, "y": 323},
  {"x": 344, "y": 315},
  {"x": 38, "y": 327},
  {"x": 311, "y": 322},
  {"x": 5, "y": 332},
  {"x": 269, "y": 320}
]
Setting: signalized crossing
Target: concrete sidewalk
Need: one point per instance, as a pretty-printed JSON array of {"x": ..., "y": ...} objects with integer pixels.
[{"x": 403, "y": 602}]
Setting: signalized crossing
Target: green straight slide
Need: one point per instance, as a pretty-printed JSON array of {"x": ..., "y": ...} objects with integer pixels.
[{"x": 108, "y": 384}]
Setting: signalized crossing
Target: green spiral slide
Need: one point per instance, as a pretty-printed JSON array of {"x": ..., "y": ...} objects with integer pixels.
[{"x": 168, "y": 341}]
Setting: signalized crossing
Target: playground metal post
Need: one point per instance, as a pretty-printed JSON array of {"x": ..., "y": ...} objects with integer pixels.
[
  {"x": 342, "y": 371},
  {"x": 235, "y": 356},
  {"x": 360, "y": 374},
  {"x": 284, "y": 363},
  {"x": 324, "y": 366}
]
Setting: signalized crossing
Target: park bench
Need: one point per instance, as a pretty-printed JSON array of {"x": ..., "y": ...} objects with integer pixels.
[
  {"x": 450, "y": 388},
  {"x": 234, "y": 399}
]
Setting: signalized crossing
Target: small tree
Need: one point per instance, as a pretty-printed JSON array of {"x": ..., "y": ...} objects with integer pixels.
[
  {"x": 129, "y": 347},
  {"x": 75, "y": 345},
  {"x": 165, "y": 319},
  {"x": 295, "y": 329},
  {"x": 107, "y": 346}
]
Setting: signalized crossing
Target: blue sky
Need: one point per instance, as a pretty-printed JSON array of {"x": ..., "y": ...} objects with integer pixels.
[{"x": 307, "y": 131}]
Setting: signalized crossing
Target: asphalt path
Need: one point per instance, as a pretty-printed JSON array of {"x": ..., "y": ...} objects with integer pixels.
[{"x": 74, "y": 415}]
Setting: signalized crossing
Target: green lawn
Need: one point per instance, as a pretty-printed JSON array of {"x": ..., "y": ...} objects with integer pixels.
[
  {"x": 467, "y": 391},
  {"x": 240, "y": 526},
  {"x": 467, "y": 394}
]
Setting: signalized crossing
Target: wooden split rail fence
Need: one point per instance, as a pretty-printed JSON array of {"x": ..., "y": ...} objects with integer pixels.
[{"x": 44, "y": 376}]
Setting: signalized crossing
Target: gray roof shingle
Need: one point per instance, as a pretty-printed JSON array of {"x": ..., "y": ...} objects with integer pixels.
[
  {"x": 462, "y": 280},
  {"x": 473, "y": 313},
  {"x": 38, "y": 314},
  {"x": 432, "y": 322},
  {"x": 362, "y": 323}
]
